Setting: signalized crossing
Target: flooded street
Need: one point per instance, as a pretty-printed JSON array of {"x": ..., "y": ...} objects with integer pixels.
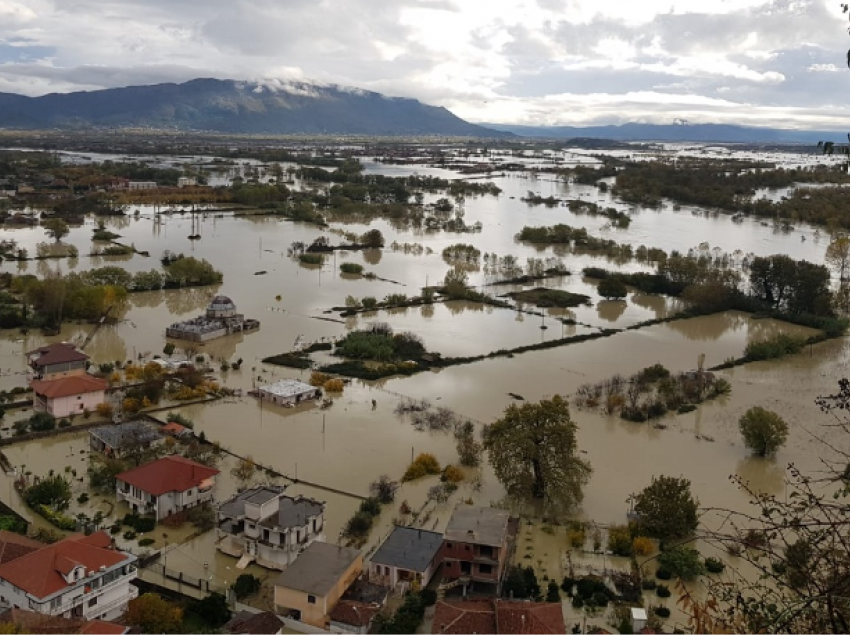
[{"x": 350, "y": 444}]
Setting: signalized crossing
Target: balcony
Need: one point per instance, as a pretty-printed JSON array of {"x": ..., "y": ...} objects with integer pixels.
[{"x": 92, "y": 593}]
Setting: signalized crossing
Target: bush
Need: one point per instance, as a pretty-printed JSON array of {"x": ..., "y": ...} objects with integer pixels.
[
  {"x": 104, "y": 410},
  {"x": 42, "y": 422},
  {"x": 351, "y": 268},
  {"x": 139, "y": 524},
  {"x": 245, "y": 585},
  {"x": 452, "y": 474},
  {"x": 715, "y": 566},
  {"x": 424, "y": 464},
  {"x": 664, "y": 574},
  {"x": 648, "y": 584},
  {"x": 129, "y": 535},
  {"x": 311, "y": 259},
  {"x": 576, "y": 538},
  {"x": 64, "y": 422},
  {"x": 83, "y": 498},
  {"x": 775, "y": 347},
  {"x": 146, "y": 541},
  {"x": 429, "y": 597},
  {"x": 620, "y": 541},
  {"x": 663, "y": 591},
  {"x": 334, "y": 386},
  {"x": 682, "y": 561},
  {"x": 369, "y": 302},
  {"x": 662, "y": 612},
  {"x": 643, "y": 546}
]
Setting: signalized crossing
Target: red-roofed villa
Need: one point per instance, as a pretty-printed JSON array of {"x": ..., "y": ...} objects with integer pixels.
[
  {"x": 60, "y": 383},
  {"x": 166, "y": 486},
  {"x": 81, "y": 577}
]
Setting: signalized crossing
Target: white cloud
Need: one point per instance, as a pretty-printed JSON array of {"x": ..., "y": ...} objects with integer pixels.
[{"x": 532, "y": 61}]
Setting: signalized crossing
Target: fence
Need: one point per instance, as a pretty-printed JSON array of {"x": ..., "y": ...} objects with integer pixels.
[{"x": 181, "y": 578}]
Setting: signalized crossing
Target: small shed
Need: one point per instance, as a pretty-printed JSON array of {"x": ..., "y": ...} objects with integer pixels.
[
  {"x": 638, "y": 619},
  {"x": 289, "y": 392}
]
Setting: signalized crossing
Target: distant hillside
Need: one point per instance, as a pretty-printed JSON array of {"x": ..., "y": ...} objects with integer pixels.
[
  {"x": 237, "y": 107},
  {"x": 676, "y": 132}
]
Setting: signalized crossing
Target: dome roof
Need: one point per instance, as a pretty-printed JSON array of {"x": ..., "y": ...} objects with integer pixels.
[{"x": 221, "y": 303}]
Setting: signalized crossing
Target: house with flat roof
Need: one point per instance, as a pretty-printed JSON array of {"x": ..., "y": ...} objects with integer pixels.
[
  {"x": 407, "y": 555},
  {"x": 289, "y": 392},
  {"x": 116, "y": 440},
  {"x": 269, "y": 527},
  {"x": 165, "y": 487},
  {"x": 81, "y": 577},
  {"x": 475, "y": 547},
  {"x": 311, "y": 586}
]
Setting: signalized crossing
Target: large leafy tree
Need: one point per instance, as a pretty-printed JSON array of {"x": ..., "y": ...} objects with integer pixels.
[
  {"x": 153, "y": 614},
  {"x": 764, "y": 431},
  {"x": 534, "y": 453},
  {"x": 667, "y": 509}
]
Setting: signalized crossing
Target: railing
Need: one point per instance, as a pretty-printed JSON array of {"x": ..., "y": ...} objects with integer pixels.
[
  {"x": 99, "y": 610},
  {"x": 84, "y": 598}
]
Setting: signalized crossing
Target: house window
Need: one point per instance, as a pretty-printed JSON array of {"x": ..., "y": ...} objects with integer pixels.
[
  {"x": 485, "y": 569},
  {"x": 467, "y": 548},
  {"x": 92, "y": 601},
  {"x": 55, "y": 603},
  {"x": 311, "y": 599},
  {"x": 449, "y": 545}
]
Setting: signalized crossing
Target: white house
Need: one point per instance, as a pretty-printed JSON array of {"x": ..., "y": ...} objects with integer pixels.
[
  {"x": 167, "y": 486},
  {"x": 408, "y": 554},
  {"x": 288, "y": 392},
  {"x": 185, "y": 182},
  {"x": 268, "y": 526},
  {"x": 142, "y": 185},
  {"x": 61, "y": 386},
  {"x": 78, "y": 577}
]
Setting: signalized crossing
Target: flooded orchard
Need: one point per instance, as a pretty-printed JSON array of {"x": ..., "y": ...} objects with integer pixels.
[{"x": 361, "y": 436}]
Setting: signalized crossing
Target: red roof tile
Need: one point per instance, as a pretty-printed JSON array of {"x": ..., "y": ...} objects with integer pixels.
[
  {"x": 13, "y": 546},
  {"x": 173, "y": 428},
  {"x": 58, "y": 353},
  {"x": 491, "y": 616},
  {"x": 40, "y": 572},
  {"x": 72, "y": 385},
  {"x": 169, "y": 474},
  {"x": 464, "y": 617},
  {"x": 354, "y": 612}
]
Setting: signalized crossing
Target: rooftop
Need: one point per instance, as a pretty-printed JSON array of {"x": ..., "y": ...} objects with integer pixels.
[
  {"x": 58, "y": 353},
  {"x": 250, "y": 623},
  {"x": 318, "y": 568},
  {"x": 235, "y": 506},
  {"x": 354, "y": 613},
  {"x": 14, "y": 545},
  {"x": 497, "y": 616},
  {"x": 477, "y": 524},
  {"x": 287, "y": 388},
  {"x": 28, "y": 622},
  {"x": 41, "y": 572},
  {"x": 294, "y": 512},
  {"x": 169, "y": 474},
  {"x": 72, "y": 385},
  {"x": 409, "y": 549},
  {"x": 222, "y": 303},
  {"x": 118, "y": 435}
]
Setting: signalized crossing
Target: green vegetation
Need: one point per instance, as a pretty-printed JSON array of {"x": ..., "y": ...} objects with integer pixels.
[
  {"x": 245, "y": 585},
  {"x": 611, "y": 288},
  {"x": 351, "y": 268},
  {"x": 682, "y": 561},
  {"x": 424, "y": 464},
  {"x": 408, "y": 617},
  {"x": 378, "y": 343},
  {"x": 776, "y": 346},
  {"x": 311, "y": 259},
  {"x": 543, "y": 297},
  {"x": 548, "y": 467},
  {"x": 764, "y": 431},
  {"x": 666, "y": 508},
  {"x": 357, "y": 528},
  {"x": 521, "y": 582}
]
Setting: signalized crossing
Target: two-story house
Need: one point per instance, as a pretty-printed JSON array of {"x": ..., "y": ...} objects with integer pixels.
[
  {"x": 80, "y": 576},
  {"x": 166, "y": 486},
  {"x": 268, "y": 526},
  {"x": 407, "y": 555},
  {"x": 60, "y": 383},
  {"x": 475, "y": 547}
]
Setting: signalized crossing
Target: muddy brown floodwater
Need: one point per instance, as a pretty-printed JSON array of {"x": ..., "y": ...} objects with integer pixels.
[{"x": 350, "y": 444}]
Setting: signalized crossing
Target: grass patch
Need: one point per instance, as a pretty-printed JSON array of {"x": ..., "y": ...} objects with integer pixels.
[{"x": 543, "y": 297}]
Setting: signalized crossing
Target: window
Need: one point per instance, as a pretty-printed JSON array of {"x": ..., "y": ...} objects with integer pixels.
[
  {"x": 485, "y": 569},
  {"x": 55, "y": 603},
  {"x": 467, "y": 547},
  {"x": 311, "y": 599},
  {"x": 92, "y": 601},
  {"x": 449, "y": 545}
]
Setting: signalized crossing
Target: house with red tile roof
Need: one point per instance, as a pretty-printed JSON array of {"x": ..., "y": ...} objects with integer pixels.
[
  {"x": 60, "y": 383},
  {"x": 81, "y": 577},
  {"x": 353, "y": 617},
  {"x": 166, "y": 486},
  {"x": 14, "y": 545},
  {"x": 497, "y": 616}
]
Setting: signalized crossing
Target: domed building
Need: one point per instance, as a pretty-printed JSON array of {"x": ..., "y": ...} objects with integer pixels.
[
  {"x": 221, "y": 319},
  {"x": 221, "y": 307}
]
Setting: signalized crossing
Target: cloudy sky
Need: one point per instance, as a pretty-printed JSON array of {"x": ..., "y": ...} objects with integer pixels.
[{"x": 542, "y": 62}]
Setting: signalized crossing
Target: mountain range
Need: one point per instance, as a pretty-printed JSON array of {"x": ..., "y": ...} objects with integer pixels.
[
  {"x": 305, "y": 107},
  {"x": 676, "y": 132},
  {"x": 229, "y": 106}
]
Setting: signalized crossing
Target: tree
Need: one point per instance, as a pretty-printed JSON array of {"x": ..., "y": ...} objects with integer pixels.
[
  {"x": 53, "y": 491},
  {"x": 682, "y": 561},
  {"x": 764, "y": 431},
  {"x": 56, "y": 229},
  {"x": 244, "y": 471},
  {"x": 468, "y": 448},
  {"x": 372, "y": 239},
  {"x": 667, "y": 509},
  {"x": 456, "y": 283},
  {"x": 153, "y": 614},
  {"x": 245, "y": 585},
  {"x": 383, "y": 489},
  {"x": 553, "y": 594},
  {"x": 534, "y": 453},
  {"x": 213, "y": 610},
  {"x": 610, "y": 288},
  {"x": 838, "y": 255}
]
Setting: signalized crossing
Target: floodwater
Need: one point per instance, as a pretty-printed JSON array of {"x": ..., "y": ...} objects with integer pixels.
[{"x": 350, "y": 444}]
